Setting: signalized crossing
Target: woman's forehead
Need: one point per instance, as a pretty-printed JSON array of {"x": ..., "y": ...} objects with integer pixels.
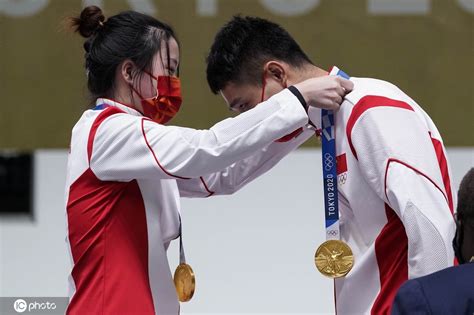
[
  {"x": 172, "y": 47},
  {"x": 161, "y": 57}
]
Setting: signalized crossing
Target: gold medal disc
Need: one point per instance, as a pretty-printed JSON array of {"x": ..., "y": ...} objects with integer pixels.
[
  {"x": 185, "y": 282},
  {"x": 334, "y": 259}
]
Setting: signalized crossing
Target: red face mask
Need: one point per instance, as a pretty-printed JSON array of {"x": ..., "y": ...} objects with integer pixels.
[
  {"x": 166, "y": 104},
  {"x": 290, "y": 136}
]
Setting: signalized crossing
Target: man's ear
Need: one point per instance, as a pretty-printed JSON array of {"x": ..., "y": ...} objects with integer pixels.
[
  {"x": 126, "y": 71},
  {"x": 276, "y": 71}
]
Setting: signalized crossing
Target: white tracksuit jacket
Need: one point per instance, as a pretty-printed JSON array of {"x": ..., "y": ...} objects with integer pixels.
[
  {"x": 395, "y": 197},
  {"x": 124, "y": 181}
]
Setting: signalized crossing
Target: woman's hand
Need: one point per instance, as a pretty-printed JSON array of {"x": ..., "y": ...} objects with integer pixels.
[{"x": 325, "y": 92}]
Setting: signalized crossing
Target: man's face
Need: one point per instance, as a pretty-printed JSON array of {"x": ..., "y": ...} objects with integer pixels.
[{"x": 240, "y": 97}]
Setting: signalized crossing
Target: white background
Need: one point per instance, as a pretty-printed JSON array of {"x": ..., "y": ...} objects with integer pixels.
[{"x": 252, "y": 252}]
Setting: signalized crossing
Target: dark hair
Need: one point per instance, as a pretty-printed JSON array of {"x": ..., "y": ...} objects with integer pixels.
[
  {"x": 127, "y": 35},
  {"x": 243, "y": 46},
  {"x": 465, "y": 208}
]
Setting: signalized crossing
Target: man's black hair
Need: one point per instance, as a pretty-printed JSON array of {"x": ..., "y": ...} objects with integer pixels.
[
  {"x": 243, "y": 46},
  {"x": 465, "y": 208},
  {"x": 464, "y": 215}
]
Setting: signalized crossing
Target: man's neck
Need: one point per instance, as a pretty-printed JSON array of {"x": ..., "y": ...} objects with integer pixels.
[{"x": 307, "y": 72}]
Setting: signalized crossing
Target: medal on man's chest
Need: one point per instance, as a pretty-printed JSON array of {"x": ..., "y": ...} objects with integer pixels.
[{"x": 333, "y": 258}]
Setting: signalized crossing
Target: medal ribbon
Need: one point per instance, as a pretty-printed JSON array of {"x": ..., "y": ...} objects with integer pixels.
[
  {"x": 328, "y": 138},
  {"x": 182, "y": 257}
]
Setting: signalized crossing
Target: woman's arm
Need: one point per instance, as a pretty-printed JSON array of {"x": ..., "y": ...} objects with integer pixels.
[
  {"x": 128, "y": 147},
  {"x": 240, "y": 173}
]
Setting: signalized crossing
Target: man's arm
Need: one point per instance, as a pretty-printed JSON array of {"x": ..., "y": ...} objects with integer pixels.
[
  {"x": 239, "y": 174},
  {"x": 398, "y": 160}
]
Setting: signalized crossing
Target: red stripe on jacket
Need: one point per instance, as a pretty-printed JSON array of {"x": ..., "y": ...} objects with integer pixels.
[
  {"x": 366, "y": 103},
  {"x": 107, "y": 231}
]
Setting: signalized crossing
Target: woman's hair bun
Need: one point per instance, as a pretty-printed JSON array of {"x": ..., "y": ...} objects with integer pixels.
[{"x": 89, "y": 21}]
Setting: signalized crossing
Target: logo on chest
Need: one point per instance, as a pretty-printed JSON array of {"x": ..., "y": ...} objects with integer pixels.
[{"x": 341, "y": 167}]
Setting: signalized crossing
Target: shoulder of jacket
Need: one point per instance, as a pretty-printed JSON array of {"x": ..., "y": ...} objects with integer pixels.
[{"x": 368, "y": 86}]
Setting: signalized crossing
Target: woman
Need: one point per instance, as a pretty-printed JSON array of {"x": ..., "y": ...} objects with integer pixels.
[{"x": 127, "y": 170}]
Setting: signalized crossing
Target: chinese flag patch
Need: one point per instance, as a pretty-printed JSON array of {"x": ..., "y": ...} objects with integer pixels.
[{"x": 341, "y": 164}]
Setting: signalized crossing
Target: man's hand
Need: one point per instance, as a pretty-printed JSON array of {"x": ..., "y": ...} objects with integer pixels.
[{"x": 325, "y": 92}]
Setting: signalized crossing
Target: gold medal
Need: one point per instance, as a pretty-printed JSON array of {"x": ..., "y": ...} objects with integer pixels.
[
  {"x": 334, "y": 259},
  {"x": 185, "y": 282}
]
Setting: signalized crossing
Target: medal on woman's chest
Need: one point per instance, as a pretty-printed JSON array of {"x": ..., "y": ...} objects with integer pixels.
[
  {"x": 185, "y": 282},
  {"x": 184, "y": 279}
]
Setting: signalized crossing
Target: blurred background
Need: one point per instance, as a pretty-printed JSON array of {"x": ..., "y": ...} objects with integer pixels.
[{"x": 252, "y": 252}]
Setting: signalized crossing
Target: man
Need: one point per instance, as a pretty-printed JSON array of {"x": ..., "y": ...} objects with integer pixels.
[
  {"x": 394, "y": 186},
  {"x": 449, "y": 291}
]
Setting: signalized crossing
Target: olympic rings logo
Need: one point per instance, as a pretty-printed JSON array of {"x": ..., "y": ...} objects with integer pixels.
[
  {"x": 332, "y": 232},
  {"x": 342, "y": 178},
  {"x": 328, "y": 162}
]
